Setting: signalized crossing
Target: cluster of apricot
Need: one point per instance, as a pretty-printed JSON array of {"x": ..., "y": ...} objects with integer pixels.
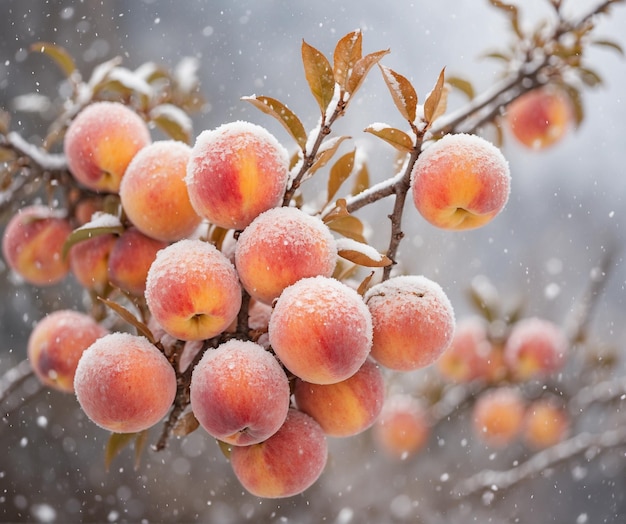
[
  {"x": 309, "y": 363},
  {"x": 532, "y": 349}
]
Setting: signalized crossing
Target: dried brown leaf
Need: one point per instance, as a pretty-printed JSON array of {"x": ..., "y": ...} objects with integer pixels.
[
  {"x": 402, "y": 92},
  {"x": 347, "y": 53},
  {"x": 319, "y": 75},
  {"x": 283, "y": 114},
  {"x": 395, "y": 137}
]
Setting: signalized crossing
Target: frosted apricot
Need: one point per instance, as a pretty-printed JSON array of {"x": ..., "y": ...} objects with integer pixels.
[
  {"x": 534, "y": 347},
  {"x": 413, "y": 322},
  {"x": 345, "y": 408},
  {"x": 285, "y": 464},
  {"x": 154, "y": 193},
  {"x": 240, "y": 393},
  {"x": 192, "y": 290},
  {"x": 124, "y": 384},
  {"x": 545, "y": 424},
  {"x": 498, "y": 416},
  {"x": 32, "y": 245},
  {"x": 236, "y": 172},
  {"x": 540, "y": 118},
  {"x": 100, "y": 143},
  {"x": 321, "y": 330},
  {"x": 460, "y": 182},
  {"x": 280, "y": 247},
  {"x": 402, "y": 429},
  {"x": 56, "y": 344}
]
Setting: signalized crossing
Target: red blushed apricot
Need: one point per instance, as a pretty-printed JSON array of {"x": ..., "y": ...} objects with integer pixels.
[
  {"x": 545, "y": 424},
  {"x": 540, "y": 118},
  {"x": 534, "y": 347},
  {"x": 402, "y": 429},
  {"x": 192, "y": 290},
  {"x": 287, "y": 463},
  {"x": 280, "y": 247},
  {"x": 467, "y": 357},
  {"x": 321, "y": 330},
  {"x": 240, "y": 393},
  {"x": 56, "y": 344},
  {"x": 498, "y": 416},
  {"x": 130, "y": 259},
  {"x": 124, "y": 384},
  {"x": 89, "y": 261},
  {"x": 32, "y": 245},
  {"x": 413, "y": 322},
  {"x": 154, "y": 193},
  {"x": 345, "y": 408},
  {"x": 236, "y": 172},
  {"x": 460, "y": 182},
  {"x": 100, "y": 143}
]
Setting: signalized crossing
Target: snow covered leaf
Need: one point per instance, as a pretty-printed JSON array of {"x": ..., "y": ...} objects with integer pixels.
[
  {"x": 283, "y": 114},
  {"x": 101, "y": 224},
  {"x": 325, "y": 153},
  {"x": 339, "y": 172},
  {"x": 173, "y": 121},
  {"x": 347, "y": 53},
  {"x": 362, "y": 68},
  {"x": 361, "y": 253},
  {"x": 63, "y": 59},
  {"x": 436, "y": 101},
  {"x": 402, "y": 92},
  {"x": 126, "y": 315},
  {"x": 395, "y": 137},
  {"x": 319, "y": 75}
]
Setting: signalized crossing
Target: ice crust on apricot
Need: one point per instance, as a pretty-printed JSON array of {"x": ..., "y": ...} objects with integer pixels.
[
  {"x": 192, "y": 290},
  {"x": 460, "y": 182},
  {"x": 236, "y": 172},
  {"x": 124, "y": 383},
  {"x": 321, "y": 330},
  {"x": 280, "y": 247},
  {"x": 240, "y": 393},
  {"x": 287, "y": 463},
  {"x": 413, "y": 322}
]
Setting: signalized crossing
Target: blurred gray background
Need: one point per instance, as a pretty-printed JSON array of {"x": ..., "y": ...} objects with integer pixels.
[{"x": 566, "y": 209}]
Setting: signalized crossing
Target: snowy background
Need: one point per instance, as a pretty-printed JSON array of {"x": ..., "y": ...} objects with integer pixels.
[{"x": 567, "y": 207}]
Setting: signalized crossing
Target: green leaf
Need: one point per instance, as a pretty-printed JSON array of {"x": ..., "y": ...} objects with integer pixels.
[
  {"x": 339, "y": 172},
  {"x": 436, "y": 100},
  {"x": 283, "y": 114},
  {"x": 347, "y": 53},
  {"x": 610, "y": 44},
  {"x": 361, "y": 181},
  {"x": 465, "y": 86},
  {"x": 402, "y": 92},
  {"x": 319, "y": 75},
  {"x": 86, "y": 233},
  {"x": 63, "y": 59},
  {"x": 326, "y": 153},
  {"x": 362, "y": 68},
  {"x": 126, "y": 315},
  {"x": 395, "y": 137},
  {"x": 115, "y": 445},
  {"x": 173, "y": 121},
  {"x": 360, "y": 258}
]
